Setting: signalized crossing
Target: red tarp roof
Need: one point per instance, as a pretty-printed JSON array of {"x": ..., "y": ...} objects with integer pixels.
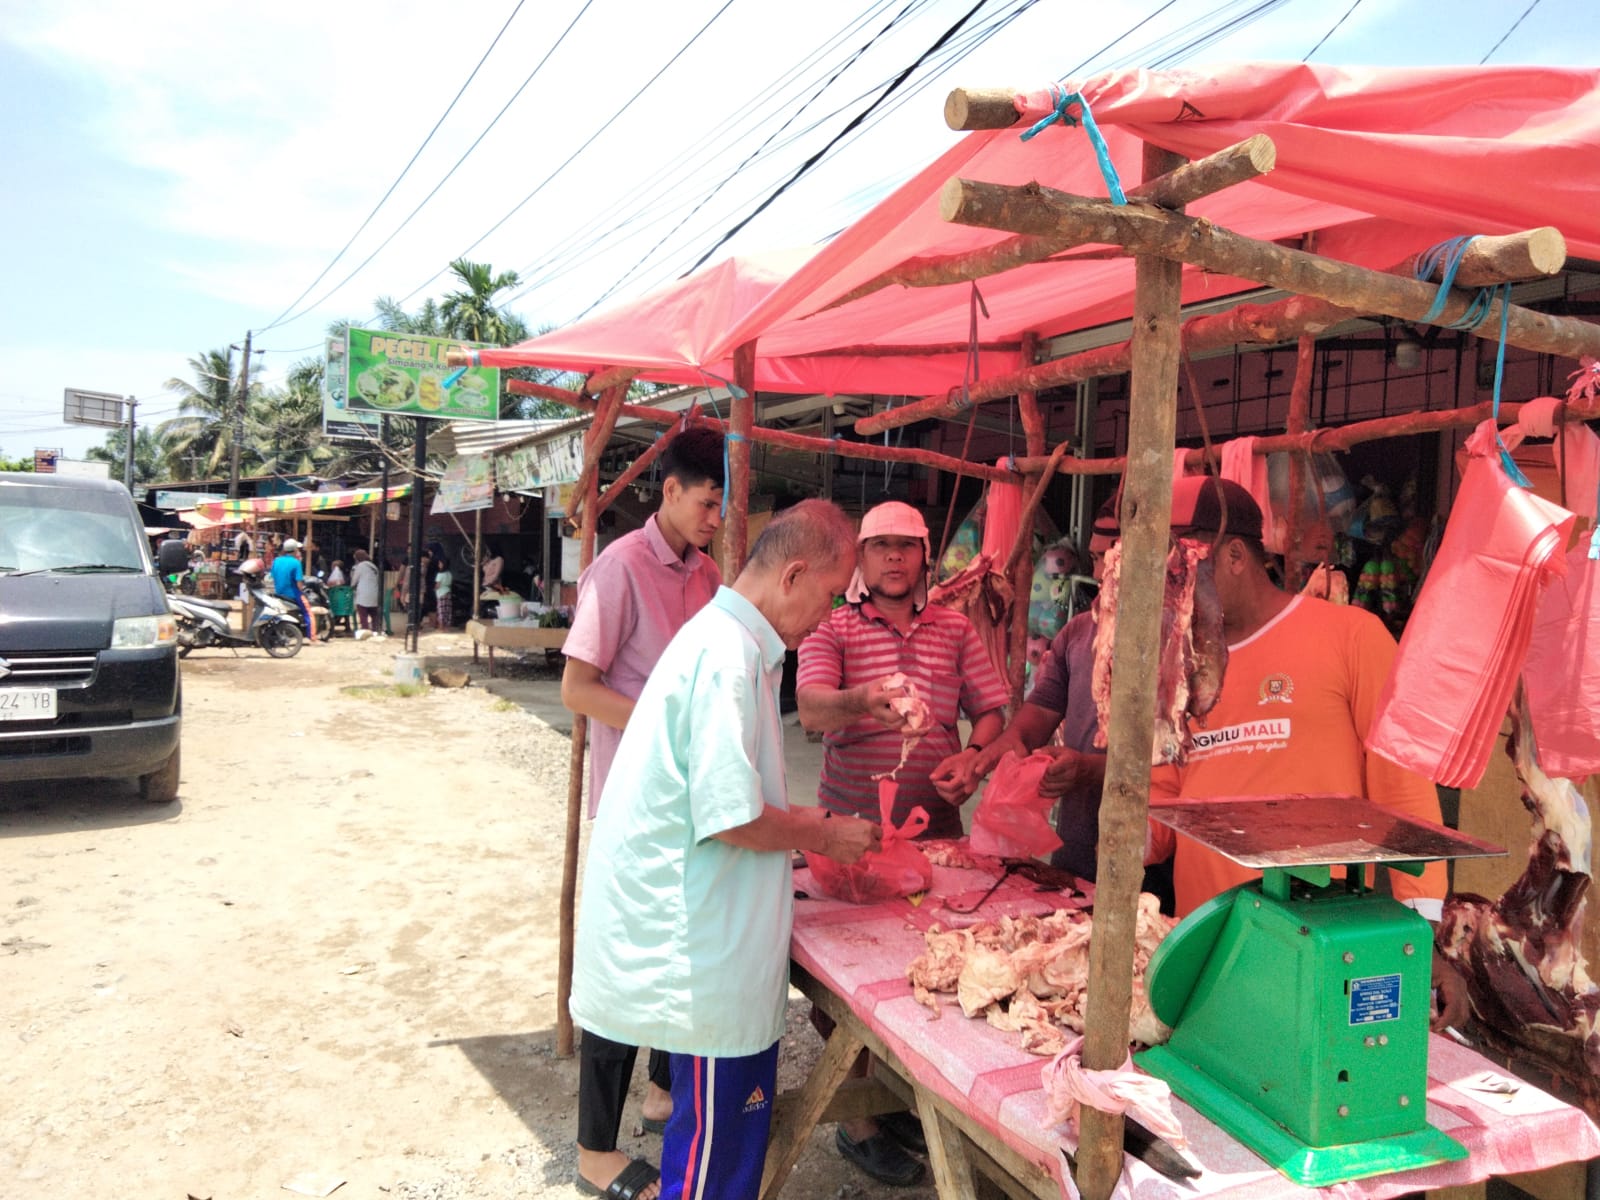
[{"x": 1381, "y": 162}]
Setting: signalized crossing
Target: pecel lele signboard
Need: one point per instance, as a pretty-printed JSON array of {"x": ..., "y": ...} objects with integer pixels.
[{"x": 407, "y": 374}]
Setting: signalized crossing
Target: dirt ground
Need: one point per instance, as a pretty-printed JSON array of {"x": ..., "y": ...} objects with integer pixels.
[{"x": 333, "y": 958}]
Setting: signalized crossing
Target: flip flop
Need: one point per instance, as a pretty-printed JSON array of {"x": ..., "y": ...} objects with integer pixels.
[
  {"x": 630, "y": 1181},
  {"x": 653, "y": 1124}
]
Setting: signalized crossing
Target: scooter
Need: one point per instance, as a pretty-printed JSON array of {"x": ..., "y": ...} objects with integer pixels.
[{"x": 275, "y": 627}]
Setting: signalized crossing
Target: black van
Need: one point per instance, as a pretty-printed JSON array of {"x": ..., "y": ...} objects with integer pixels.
[{"x": 89, "y": 682}]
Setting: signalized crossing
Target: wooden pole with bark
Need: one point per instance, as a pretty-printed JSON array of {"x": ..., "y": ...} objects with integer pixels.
[
  {"x": 799, "y": 441},
  {"x": 1249, "y": 159},
  {"x": 1527, "y": 255},
  {"x": 736, "y": 488},
  {"x": 589, "y": 491},
  {"x": 1298, "y": 421},
  {"x": 1146, "y": 507},
  {"x": 1020, "y": 568}
]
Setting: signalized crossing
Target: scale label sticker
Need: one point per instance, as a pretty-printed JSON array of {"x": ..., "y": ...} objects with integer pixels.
[{"x": 1374, "y": 999}]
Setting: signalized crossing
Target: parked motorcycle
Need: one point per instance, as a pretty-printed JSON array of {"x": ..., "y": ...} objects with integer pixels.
[{"x": 275, "y": 627}]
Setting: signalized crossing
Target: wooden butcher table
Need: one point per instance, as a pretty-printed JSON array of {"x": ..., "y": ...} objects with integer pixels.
[
  {"x": 983, "y": 1105},
  {"x": 489, "y": 634}
]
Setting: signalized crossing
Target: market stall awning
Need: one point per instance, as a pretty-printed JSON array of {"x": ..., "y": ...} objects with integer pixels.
[
  {"x": 1376, "y": 163},
  {"x": 297, "y": 502}
]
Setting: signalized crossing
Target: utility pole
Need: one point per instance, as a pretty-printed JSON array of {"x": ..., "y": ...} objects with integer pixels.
[
  {"x": 127, "y": 467},
  {"x": 238, "y": 419}
]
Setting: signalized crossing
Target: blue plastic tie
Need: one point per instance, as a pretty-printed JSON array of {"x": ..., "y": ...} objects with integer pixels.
[
  {"x": 1064, "y": 100},
  {"x": 727, "y": 469},
  {"x": 1514, "y": 471},
  {"x": 449, "y": 381}
]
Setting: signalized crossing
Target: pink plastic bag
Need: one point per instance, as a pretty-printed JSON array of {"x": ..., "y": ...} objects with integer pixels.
[
  {"x": 1013, "y": 819},
  {"x": 1562, "y": 673},
  {"x": 1468, "y": 637},
  {"x": 899, "y": 869}
]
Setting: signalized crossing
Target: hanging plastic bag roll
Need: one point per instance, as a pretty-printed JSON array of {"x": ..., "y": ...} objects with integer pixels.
[
  {"x": 1458, "y": 662},
  {"x": 1562, "y": 672}
]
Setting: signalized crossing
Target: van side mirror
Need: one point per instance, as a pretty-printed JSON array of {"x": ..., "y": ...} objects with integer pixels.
[{"x": 172, "y": 557}]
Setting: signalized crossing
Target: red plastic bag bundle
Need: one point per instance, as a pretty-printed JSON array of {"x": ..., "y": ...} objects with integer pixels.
[
  {"x": 1562, "y": 673},
  {"x": 1469, "y": 634},
  {"x": 898, "y": 869},
  {"x": 1013, "y": 819}
]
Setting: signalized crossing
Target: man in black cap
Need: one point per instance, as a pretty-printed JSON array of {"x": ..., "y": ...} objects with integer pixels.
[{"x": 1302, "y": 681}]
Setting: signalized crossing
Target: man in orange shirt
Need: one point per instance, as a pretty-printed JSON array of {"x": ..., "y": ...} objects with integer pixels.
[{"x": 1302, "y": 680}]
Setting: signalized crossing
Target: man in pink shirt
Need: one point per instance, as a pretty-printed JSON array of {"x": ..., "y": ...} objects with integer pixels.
[{"x": 632, "y": 599}]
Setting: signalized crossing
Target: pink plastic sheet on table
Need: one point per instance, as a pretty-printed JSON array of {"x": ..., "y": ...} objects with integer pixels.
[{"x": 860, "y": 953}]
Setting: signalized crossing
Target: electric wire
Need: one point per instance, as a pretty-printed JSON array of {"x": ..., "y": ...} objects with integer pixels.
[
  {"x": 1508, "y": 32},
  {"x": 403, "y": 171},
  {"x": 587, "y": 142},
  {"x": 465, "y": 155},
  {"x": 1332, "y": 31}
]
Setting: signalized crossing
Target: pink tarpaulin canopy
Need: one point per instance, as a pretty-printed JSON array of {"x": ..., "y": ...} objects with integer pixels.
[{"x": 1381, "y": 163}]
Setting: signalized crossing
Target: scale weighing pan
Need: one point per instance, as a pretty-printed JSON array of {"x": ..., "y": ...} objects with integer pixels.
[{"x": 1300, "y": 1003}]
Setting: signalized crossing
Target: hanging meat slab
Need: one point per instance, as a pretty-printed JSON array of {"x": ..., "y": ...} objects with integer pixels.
[
  {"x": 1193, "y": 653},
  {"x": 1521, "y": 954}
]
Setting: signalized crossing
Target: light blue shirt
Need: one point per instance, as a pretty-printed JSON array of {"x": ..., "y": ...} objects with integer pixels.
[{"x": 683, "y": 940}]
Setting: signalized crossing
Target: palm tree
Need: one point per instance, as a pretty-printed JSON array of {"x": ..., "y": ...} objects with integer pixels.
[
  {"x": 147, "y": 454},
  {"x": 197, "y": 442},
  {"x": 285, "y": 425},
  {"x": 471, "y": 314}
]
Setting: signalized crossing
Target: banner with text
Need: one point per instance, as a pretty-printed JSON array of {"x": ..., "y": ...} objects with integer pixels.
[
  {"x": 408, "y": 374},
  {"x": 339, "y": 420},
  {"x": 529, "y": 468},
  {"x": 468, "y": 484}
]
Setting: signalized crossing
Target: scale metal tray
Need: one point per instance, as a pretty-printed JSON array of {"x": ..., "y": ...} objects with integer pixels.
[{"x": 1312, "y": 830}]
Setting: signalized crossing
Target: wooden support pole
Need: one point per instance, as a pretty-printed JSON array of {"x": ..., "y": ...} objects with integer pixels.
[
  {"x": 1019, "y": 572},
  {"x": 981, "y": 108},
  {"x": 1146, "y": 508},
  {"x": 477, "y": 561},
  {"x": 1044, "y": 212},
  {"x": 1249, "y": 159},
  {"x": 604, "y": 381},
  {"x": 735, "y": 530},
  {"x": 1263, "y": 324},
  {"x": 1298, "y": 421},
  {"x": 1028, "y": 398},
  {"x": 638, "y": 466},
  {"x": 607, "y": 410},
  {"x": 813, "y": 445},
  {"x": 588, "y": 489}
]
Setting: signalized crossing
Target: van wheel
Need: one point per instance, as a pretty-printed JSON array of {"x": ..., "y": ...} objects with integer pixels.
[
  {"x": 161, "y": 785},
  {"x": 282, "y": 639}
]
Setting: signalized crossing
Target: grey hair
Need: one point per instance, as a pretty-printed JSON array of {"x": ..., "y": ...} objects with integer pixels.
[{"x": 814, "y": 531}]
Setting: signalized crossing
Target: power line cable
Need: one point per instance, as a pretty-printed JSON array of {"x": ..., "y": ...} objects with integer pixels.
[
  {"x": 418, "y": 153},
  {"x": 587, "y": 142},
  {"x": 1331, "y": 32},
  {"x": 1508, "y": 32},
  {"x": 1129, "y": 32},
  {"x": 476, "y": 141},
  {"x": 854, "y": 122}
]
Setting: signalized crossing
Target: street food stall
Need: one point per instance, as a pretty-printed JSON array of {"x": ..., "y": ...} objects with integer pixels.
[{"x": 1328, "y": 187}]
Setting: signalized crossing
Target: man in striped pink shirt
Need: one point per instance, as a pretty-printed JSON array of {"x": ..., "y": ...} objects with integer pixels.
[{"x": 888, "y": 628}]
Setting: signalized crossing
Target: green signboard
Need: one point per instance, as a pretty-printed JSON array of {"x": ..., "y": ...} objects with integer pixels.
[{"x": 407, "y": 374}]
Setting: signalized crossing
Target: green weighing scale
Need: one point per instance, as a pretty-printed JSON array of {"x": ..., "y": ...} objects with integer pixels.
[{"x": 1299, "y": 1003}]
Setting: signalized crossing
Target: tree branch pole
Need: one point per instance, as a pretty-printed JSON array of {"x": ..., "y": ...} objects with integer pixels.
[
  {"x": 1489, "y": 260},
  {"x": 798, "y": 441},
  {"x": 1146, "y": 508},
  {"x": 1044, "y": 212},
  {"x": 1019, "y": 571},
  {"x": 589, "y": 490},
  {"x": 1249, "y": 159},
  {"x": 638, "y": 467},
  {"x": 419, "y": 465},
  {"x": 736, "y": 488},
  {"x": 1298, "y": 420}
]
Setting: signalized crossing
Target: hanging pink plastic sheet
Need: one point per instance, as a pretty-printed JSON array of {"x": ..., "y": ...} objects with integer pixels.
[
  {"x": 1468, "y": 637},
  {"x": 899, "y": 869},
  {"x": 1013, "y": 819},
  {"x": 1562, "y": 672}
]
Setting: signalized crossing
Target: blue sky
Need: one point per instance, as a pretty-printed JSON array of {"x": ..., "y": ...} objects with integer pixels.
[{"x": 179, "y": 172}]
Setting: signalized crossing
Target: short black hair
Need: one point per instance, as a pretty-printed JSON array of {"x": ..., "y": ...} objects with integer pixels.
[{"x": 694, "y": 457}]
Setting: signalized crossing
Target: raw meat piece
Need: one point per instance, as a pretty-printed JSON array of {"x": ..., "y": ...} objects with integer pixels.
[
  {"x": 983, "y": 596},
  {"x": 918, "y": 720},
  {"x": 1193, "y": 653},
  {"x": 1030, "y": 974},
  {"x": 1521, "y": 954},
  {"x": 1327, "y": 582},
  {"x": 955, "y": 852}
]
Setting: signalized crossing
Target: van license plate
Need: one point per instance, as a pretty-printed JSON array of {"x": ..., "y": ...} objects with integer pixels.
[{"x": 27, "y": 704}]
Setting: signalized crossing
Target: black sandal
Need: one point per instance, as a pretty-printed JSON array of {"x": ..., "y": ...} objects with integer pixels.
[
  {"x": 630, "y": 1181},
  {"x": 880, "y": 1158}
]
